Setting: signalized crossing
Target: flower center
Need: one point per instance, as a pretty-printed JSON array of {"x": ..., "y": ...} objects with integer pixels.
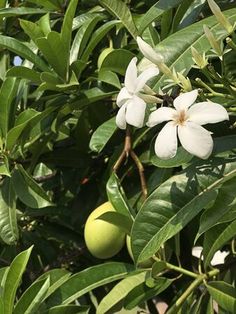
[{"x": 180, "y": 117}]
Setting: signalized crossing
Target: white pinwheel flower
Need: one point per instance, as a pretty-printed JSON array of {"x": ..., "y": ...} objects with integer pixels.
[
  {"x": 185, "y": 122},
  {"x": 130, "y": 99}
]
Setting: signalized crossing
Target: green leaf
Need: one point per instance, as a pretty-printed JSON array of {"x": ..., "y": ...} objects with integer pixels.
[
  {"x": 224, "y": 294},
  {"x": 23, "y": 51},
  {"x": 122, "y": 221},
  {"x": 89, "y": 279},
  {"x": 96, "y": 38},
  {"x": 102, "y": 135},
  {"x": 55, "y": 51},
  {"x": 175, "y": 203},
  {"x": 120, "y": 291},
  {"x": 13, "y": 279},
  {"x": 31, "y": 29},
  {"x": 25, "y": 73},
  {"x": 28, "y": 191},
  {"x": 176, "y": 49},
  {"x": 22, "y": 121},
  {"x": 8, "y": 221},
  {"x": 226, "y": 199},
  {"x": 120, "y": 10},
  {"x": 215, "y": 238},
  {"x": 31, "y": 299},
  {"x": 8, "y": 92},
  {"x": 7, "y": 12},
  {"x": 117, "y": 196},
  {"x": 66, "y": 30},
  {"x": 155, "y": 12},
  {"x": 4, "y": 166},
  {"x": 181, "y": 157},
  {"x": 109, "y": 77},
  {"x": 57, "y": 278},
  {"x": 117, "y": 61},
  {"x": 141, "y": 293},
  {"x": 48, "y": 4},
  {"x": 68, "y": 309}
]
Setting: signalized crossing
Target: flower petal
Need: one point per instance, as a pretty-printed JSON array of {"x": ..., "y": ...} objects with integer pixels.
[
  {"x": 135, "y": 112},
  {"x": 195, "y": 139},
  {"x": 207, "y": 112},
  {"x": 149, "y": 52},
  {"x": 166, "y": 141},
  {"x": 185, "y": 100},
  {"x": 122, "y": 97},
  {"x": 145, "y": 76},
  {"x": 160, "y": 115},
  {"x": 120, "y": 118},
  {"x": 131, "y": 76}
]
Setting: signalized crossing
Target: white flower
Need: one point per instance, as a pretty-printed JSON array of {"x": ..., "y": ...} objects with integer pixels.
[
  {"x": 186, "y": 123},
  {"x": 149, "y": 52},
  {"x": 130, "y": 100}
]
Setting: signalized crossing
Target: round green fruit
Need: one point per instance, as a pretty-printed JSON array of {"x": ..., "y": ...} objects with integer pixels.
[
  {"x": 103, "y": 55},
  {"x": 103, "y": 239}
]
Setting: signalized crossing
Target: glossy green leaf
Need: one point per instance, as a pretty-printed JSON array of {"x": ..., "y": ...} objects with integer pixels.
[
  {"x": 31, "y": 299},
  {"x": 117, "y": 61},
  {"x": 155, "y": 12},
  {"x": 68, "y": 309},
  {"x": 57, "y": 278},
  {"x": 8, "y": 221},
  {"x": 120, "y": 10},
  {"x": 28, "y": 191},
  {"x": 226, "y": 199},
  {"x": 109, "y": 77},
  {"x": 33, "y": 30},
  {"x": 4, "y": 166},
  {"x": 117, "y": 196},
  {"x": 48, "y": 4},
  {"x": 141, "y": 293},
  {"x": 7, "y": 12},
  {"x": 224, "y": 294},
  {"x": 122, "y": 221},
  {"x": 8, "y": 92},
  {"x": 176, "y": 49},
  {"x": 23, "y": 51},
  {"x": 97, "y": 37},
  {"x": 21, "y": 123},
  {"x": 66, "y": 30},
  {"x": 89, "y": 279},
  {"x": 175, "y": 203},
  {"x": 25, "y": 73},
  {"x": 181, "y": 157},
  {"x": 215, "y": 238},
  {"x": 54, "y": 50},
  {"x": 120, "y": 291},
  {"x": 82, "y": 37},
  {"x": 102, "y": 135},
  {"x": 13, "y": 279}
]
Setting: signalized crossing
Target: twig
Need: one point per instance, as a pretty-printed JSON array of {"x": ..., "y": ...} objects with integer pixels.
[{"x": 128, "y": 151}]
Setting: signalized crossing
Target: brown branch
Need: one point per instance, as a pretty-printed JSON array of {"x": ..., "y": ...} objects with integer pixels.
[{"x": 128, "y": 151}]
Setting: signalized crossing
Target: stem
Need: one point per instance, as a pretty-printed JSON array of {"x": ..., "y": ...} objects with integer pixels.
[
  {"x": 128, "y": 151},
  {"x": 141, "y": 173},
  {"x": 178, "y": 269},
  {"x": 190, "y": 289}
]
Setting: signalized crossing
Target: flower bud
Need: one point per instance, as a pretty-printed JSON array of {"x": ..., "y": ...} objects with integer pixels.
[
  {"x": 221, "y": 18},
  {"x": 184, "y": 82},
  {"x": 213, "y": 42},
  {"x": 149, "y": 52},
  {"x": 200, "y": 60}
]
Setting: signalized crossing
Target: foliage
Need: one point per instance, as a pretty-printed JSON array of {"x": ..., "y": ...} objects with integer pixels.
[{"x": 61, "y": 156}]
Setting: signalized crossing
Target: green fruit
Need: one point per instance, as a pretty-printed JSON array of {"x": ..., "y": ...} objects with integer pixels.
[
  {"x": 103, "y": 239},
  {"x": 103, "y": 55},
  {"x": 146, "y": 264}
]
